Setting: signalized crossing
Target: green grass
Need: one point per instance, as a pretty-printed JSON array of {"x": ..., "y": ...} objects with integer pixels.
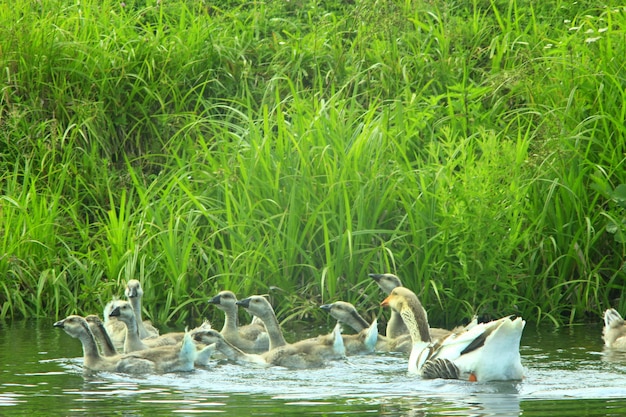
[{"x": 291, "y": 148}]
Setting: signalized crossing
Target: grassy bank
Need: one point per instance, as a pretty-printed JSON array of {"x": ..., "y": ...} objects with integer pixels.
[{"x": 476, "y": 149}]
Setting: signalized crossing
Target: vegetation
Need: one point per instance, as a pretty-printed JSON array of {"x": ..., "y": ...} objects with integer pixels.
[{"x": 476, "y": 149}]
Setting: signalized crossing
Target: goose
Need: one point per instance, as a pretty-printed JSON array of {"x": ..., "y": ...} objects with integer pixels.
[
  {"x": 614, "y": 331},
  {"x": 125, "y": 313},
  {"x": 310, "y": 353},
  {"x": 251, "y": 338},
  {"x": 345, "y": 313},
  {"x": 204, "y": 352},
  {"x": 483, "y": 352},
  {"x": 259, "y": 307},
  {"x": 395, "y": 325},
  {"x": 134, "y": 293},
  {"x": 115, "y": 328},
  {"x": 101, "y": 335},
  {"x": 155, "y": 360},
  {"x": 305, "y": 354}
]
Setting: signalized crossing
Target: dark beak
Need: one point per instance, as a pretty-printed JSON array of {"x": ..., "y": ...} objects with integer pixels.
[
  {"x": 215, "y": 300},
  {"x": 375, "y": 277},
  {"x": 245, "y": 303},
  {"x": 115, "y": 312}
]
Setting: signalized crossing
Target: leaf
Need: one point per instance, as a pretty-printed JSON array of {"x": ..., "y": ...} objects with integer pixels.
[
  {"x": 619, "y": 195},
  {"x": 612, "y": 227}
]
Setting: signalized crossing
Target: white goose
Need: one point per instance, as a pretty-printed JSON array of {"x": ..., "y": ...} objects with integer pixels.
[
  {"x": 251, "y": 338},
  {"x": 156, "y": 360},
  {"x": 614, "y": 331},
  {"x": 482, "y": 352}
]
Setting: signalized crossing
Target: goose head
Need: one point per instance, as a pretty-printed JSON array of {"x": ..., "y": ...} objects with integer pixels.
[
  {"x": 208, "y": 336},
  {"x": 133, "y": 289},
  {"x": 257, "y": 306},
  {"x": 74, "y": 325},
  {"x": 123, "y": 310},
  {"x": 345, "y": 313},
  {"x": 225, "y": 300},
  {"x": 405, "y": 302},
  {"x": 94, "y": 321},
  {"x": 386, "y": 282}
]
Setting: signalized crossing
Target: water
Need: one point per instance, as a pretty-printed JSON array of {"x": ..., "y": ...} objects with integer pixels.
[{"x": 567, "y": 373}]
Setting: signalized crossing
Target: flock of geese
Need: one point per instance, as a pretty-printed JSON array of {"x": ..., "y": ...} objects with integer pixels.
[{"x": 125, "y": 343}]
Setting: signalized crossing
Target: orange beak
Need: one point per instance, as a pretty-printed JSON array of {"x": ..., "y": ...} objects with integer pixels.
[{"x": 385, "y": 302}]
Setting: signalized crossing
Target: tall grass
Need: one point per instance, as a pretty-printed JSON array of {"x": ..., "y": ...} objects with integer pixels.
[{"x": 291, "y": 148}]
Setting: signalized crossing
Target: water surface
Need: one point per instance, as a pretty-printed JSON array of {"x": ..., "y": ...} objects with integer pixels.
[{"x": 567, "y": 373}]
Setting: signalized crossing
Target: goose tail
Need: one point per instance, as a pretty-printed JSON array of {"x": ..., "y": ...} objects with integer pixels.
[
  {"x": 371, "y": 336},
  {"x": 612, "y": 318},
  {"x": 338, "y": 346},
  {"x": 188, "y": 352},
  {"x": 204, "y": 355}
]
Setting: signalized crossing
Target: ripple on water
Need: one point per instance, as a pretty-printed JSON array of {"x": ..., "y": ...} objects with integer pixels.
[{"x": 565, "y": 373}]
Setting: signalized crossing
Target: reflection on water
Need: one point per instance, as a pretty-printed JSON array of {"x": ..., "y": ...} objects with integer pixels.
[{"x": 567, "y": 373}]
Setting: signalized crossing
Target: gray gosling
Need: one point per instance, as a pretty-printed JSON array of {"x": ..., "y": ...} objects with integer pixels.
[
  {"x": 346, "y": 314},
  {"x": 361, "y": 343},
  {"x": 155, "y": 360},
  {"x": 124, "y": 312},
  {"x": 259, "y": 307},
  {"x": 395, "y": 325},
  {"x": 101, "y": 335},
  {"x": 251, "y": 338},
  {"x": 305, "y": 354},
  {"x": 134, "y": 293},
  {"x": 116, "y": 329}
]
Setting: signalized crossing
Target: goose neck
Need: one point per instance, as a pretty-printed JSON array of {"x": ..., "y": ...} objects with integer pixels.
[
  {"x": 416, "y": 320},
  {"x": 273, "y": 330}
]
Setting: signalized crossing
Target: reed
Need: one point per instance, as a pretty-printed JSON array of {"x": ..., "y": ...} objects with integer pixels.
[{"x": 291, "y": 148}]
